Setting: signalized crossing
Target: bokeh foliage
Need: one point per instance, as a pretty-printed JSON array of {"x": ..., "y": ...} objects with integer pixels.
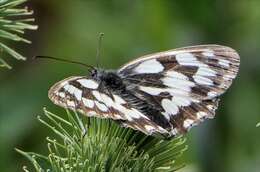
[
  {"x": 229, "y": 143},
  {"x": 14, "y": 20}
]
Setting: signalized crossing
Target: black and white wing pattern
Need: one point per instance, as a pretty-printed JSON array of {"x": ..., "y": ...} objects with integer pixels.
[
  {"x": 159, "y": 94},
  {"x": 83, "y": 94},
  {"x": 181, "y": 86},
  {"x": 97, "y": 99}
]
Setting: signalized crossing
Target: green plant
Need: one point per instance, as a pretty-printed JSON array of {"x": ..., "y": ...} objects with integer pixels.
[
  {"x": 92, "y": 144},
  {"x": 14, "y": 20}
]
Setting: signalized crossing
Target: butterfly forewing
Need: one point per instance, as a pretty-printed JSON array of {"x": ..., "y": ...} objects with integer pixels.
[
  {"x": 208, "y": 69},
  {"x": 164, "y": 93},
  {"x": 183, "y": 83}
]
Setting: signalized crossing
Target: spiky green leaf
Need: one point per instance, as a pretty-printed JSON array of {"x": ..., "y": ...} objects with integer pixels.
[{"x": 92, "y": 144}]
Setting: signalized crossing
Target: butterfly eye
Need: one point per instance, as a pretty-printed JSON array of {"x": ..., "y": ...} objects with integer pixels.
[{"x": 93, "y": 73}]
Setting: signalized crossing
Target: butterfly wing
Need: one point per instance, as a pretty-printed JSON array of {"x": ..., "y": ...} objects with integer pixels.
[
  {"x": 84, "y": 95},
  {"x": 87, "y": 96},
  {"x": 183, "y": 84},
  {"x": 207, "y": 69}
]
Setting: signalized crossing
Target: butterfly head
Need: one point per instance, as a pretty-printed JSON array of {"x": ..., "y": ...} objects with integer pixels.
[
  {"x": 94, "y": 73},
  {"x": 97, "y": 74},
  {"x": 108, "y": 78}
]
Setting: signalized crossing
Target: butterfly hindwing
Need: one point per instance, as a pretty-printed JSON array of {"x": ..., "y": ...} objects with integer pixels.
[{"x": 82, "y": 94}]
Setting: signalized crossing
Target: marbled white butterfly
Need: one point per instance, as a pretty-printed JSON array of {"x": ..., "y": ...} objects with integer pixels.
[{"x": 165, "y": 93}]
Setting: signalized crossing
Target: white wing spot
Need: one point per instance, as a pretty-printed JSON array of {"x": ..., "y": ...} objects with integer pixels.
[
  {"x": 224, "y": 62},
  {"x": 69, "y": 88},
  {"x": 78, "y": 93},
  {"x": 228, "y": 77},
  {"x": 118, "y": 99},
  {"x": 88, "y": 83},
  {"x": 188, "y": 123},
  {"x": 201, "y": 115},
  {"x": 88, "y": 103},
  {"x": 97, "y": 95},
  {"x": 129, "y": 114},
  {"x": 186, "y": 59},
  {"x": 178, "y": 91},
  {"x": 151, "y": 90},
  {"x": 202, "y": 80},
  {"x": 66, "y": 87},
  {"x": 149, "y": 127},
  {"x": 73, "y": 91},
  {"x": 178, "y": 83},
  {"x": 150, "y": 66},
  {"x": 206, "y": 71},
  {"x": 212, "y": 94},
  {"x": 174, "y": 132},
  {"x": 71, "y": 103},
  {"x": 134, "y": 113},
  {"x": 178, "y": 75},
  {"x": 208, "y": 53},
  {"x": 181, "y": 101},
  {"x": 210, "y": 107},
  {"x": 106, "y": 100},
  {"x": 170, "y": 107},
  {"x": 62, "y": 94},
  {"x": 101, "y": 106}
]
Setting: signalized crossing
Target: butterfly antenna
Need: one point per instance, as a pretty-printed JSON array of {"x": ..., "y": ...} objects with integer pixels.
[
  {"x": 64, "y": 60},
  {"x": 101, "y": 35}
]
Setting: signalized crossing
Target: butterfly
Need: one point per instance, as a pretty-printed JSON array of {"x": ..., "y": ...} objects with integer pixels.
[{"x": 165, "y": 93}]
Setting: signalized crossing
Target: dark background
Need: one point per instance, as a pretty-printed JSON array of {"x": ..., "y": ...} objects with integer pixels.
[{"x": 69, "y": 29}]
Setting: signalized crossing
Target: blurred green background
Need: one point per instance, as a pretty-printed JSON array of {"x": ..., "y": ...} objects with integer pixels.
[{"x": 69, "y": 29}]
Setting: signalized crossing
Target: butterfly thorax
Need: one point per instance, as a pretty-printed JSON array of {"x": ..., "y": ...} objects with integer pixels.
[
  {"x": 110, "y": 81},
  {"x": 108, "y": 78}
]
